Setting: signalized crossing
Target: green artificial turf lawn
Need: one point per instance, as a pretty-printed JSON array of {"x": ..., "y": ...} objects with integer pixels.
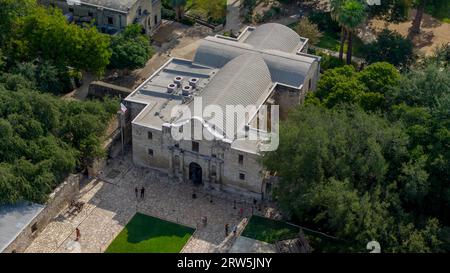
[
  {"x": 146, "y": 234},
  {"x": 268, "y": 230}
]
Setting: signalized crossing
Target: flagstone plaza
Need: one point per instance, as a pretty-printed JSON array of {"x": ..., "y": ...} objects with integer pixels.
[{"x": 110, "y": 203}]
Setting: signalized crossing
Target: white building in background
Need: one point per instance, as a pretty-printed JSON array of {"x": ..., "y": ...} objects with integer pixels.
[
  {"x": 264, "y": 66},
  {"x": 111, "y": 16}
]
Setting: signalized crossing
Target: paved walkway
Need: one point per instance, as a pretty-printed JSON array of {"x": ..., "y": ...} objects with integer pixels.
[
  {"x": 233, "y": 16},
  {"x": 111, "y": 203}
]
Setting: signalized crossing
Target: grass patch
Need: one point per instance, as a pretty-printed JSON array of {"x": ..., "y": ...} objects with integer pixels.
[
  {"x": 331, "y": 42},
  {"x": 146, "y": 234},
  {"x": 268, "y": 230}
]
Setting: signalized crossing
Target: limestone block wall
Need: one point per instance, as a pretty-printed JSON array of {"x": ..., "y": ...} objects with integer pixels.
[
  {"x": 99, "y": 89},
  {"x": 59, "y": 199},
  {"x": 287, "y": 98},
  {"x": 250, "y": 168},
  {"x": 142, "y": 144}
]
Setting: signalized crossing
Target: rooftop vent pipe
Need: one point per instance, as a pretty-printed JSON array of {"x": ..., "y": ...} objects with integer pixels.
[
  {"x": 193, "y": 82},
  {"x": 187, "y": 90},
  {"x": 171, "y": 88},
  {"x": 178, "y": 80}
]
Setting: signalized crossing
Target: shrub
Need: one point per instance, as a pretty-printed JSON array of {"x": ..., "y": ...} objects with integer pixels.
[
  {"x": 324, "y": 22},
  {"x": 308, "y": 30},
  {"x": 187, "y": 21},
  {"x": 168, "y": 14},
  {"x": 390, "y": 47}
]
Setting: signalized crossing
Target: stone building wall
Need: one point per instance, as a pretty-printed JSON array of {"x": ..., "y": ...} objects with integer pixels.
[
  {"x": 221, "y": 169},
  {"x": 119, "y": 19},
  {"x": 99, "y": 89},
  {"x": 60, "y": 198}
]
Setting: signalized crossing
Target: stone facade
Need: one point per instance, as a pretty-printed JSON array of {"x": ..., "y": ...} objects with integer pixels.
[
  {"x": 221, "y": 167},
  {"x": 110, "y": 20},
  {"x": 60, "y": 198}
]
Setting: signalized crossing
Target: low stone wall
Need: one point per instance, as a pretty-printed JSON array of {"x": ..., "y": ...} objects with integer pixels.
[
  {"x": 99, "y": 89},
  {"x": 205, "y": 23},
  {"x": 58, "y": 200}
]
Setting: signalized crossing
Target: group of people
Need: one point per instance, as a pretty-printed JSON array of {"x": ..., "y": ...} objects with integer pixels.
[
  {"x": 136, "y": 191},
  {"x": 227, "y": 228}
]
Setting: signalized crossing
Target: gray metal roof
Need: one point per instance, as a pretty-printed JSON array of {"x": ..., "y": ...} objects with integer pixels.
[
  {"x": 14, "y": 218},
  {"x": 120, "y": 5},
  {"x": 244, "y": 81},
  {"x": 285, "y": 68},
  {"x": 274, "y": 36}
]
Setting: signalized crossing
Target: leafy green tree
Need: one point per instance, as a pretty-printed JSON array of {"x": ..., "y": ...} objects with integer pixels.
[
  {"x": 178, "y": 5},
  {"x": 350, "y": 174},
  {"x": 390, "y": 47},
  {"x": 46, "y": 34},
  {"x": 379, "y": 77},
  {"x": 10, "y": 12},
  {"x": 369, "y": 88},
  {"x": 44, "y": 138},
  {"x": 130, "y": 49}
]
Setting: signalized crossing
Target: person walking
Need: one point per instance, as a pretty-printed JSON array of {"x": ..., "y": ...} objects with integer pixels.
[
  {"x": 136, "y": 192},
  {"x": 226, "y": 230},
  {"x": 234, "y": 230},
  {"x": 241, "y": 211},
  {"x": 77, "y": 234},
  {"x": 142, "y": 193}
]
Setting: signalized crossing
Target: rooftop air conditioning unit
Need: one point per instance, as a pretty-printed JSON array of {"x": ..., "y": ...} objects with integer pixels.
[
  {"x": 193, "y": 82},
  {"x": 178, "y": 80},
  {"x": 187, "y": 90},
  {"x": 171, "y": 88}
]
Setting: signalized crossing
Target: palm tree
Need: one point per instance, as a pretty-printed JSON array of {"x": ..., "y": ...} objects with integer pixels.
[
  {"x": 352, "y": 14},
  {"x": 178, "y": 6},
  {"x": 335, "y": 6}
]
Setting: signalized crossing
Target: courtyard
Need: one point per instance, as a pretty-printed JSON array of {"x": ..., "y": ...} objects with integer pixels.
[{"x": 111, "y": 203}]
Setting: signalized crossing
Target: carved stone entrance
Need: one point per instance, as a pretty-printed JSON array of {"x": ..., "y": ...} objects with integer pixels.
[{"x": 195, "y": 173}]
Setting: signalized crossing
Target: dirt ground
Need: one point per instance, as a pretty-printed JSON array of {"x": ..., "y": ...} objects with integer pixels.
[{"x": 434, "y": 33}]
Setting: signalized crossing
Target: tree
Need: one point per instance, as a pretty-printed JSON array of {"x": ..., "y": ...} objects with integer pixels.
[
  {"x": 350, "y": 174},
  {"x": 390, "y": 47},
  {"x": 352, "y": 14},
  {"x": 45, "y": 34},
  {"x": 44, "y": 138},
  {"x": 178, "y": 5},
  {"x": 369, "y": 88},
  {"x": 379, "y": 77},
  {"x": 10, "y": 11},
  {"x": 309, "y": 30},
  {"x": 130, "y": 49},
  {"x": 417, "y": 21}
]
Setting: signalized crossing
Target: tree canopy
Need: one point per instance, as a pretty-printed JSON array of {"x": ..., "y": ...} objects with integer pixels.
[
  {"x": 46, "y": 49},
  {"x": 43, "y": 139},
  {"x": 130, "y": 49},
  {"x": 367, "y": 158}
]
